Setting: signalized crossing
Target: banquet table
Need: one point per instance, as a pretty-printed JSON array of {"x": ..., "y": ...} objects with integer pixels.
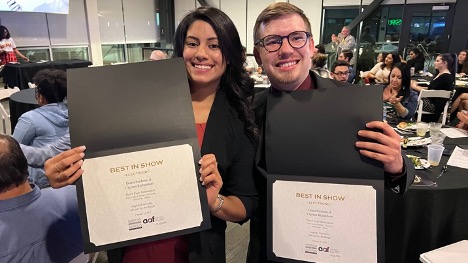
[
  {"x": 21, "y": 102},
  {"x": 18, "y": 75},
  {"x": 428, "y": 217}
]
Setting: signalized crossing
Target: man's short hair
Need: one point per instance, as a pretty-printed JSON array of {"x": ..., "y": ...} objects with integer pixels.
[
  {"x": 347, "y": 54},
  {"x": 13, "y": 164},
  {"x": 320, "y": 48},
  {"x": 339, "y": 63},
  {"x": 275, "y": 11}
]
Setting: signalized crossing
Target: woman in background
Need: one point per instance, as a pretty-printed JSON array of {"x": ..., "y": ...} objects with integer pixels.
[
  {"x": 8, "y": 47},
  {"x": 398, "y": 93},
  {"x": 319, "y": 62},
  {"x": 416, "y": 60},
  {"x": 463, "y": 117},
  {"x": 211, "y": 48},
  {"x": 462, "y": 68},
  {"x": 44, "y": 125},
  {"x": 444, "y": 80},
  {"x": 380, "y": 73}
]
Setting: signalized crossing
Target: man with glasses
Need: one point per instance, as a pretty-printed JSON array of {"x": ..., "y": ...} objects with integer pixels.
[
  {"x": 284, "y": 47},
  {"x": 347, "y": 55},
  {"x": 340, "y": 70}
]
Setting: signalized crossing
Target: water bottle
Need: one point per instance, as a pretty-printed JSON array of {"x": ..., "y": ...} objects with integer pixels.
[{"x": 425, "y": 69}]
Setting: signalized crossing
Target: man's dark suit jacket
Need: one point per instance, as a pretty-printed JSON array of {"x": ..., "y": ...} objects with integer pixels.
[{"x": 258, "y": 226}]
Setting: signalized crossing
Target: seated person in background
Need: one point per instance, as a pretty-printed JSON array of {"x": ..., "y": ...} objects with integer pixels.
[
  {"x": 380, "y": 60},
  {"x": 347, "y": 55},
  {"x": 36, "y": 225},
  {"x": 398, "y": 93},
  {"x": 379, "y": 73},
  {"x": 462, "y": 68},
  {"x": 319, "y": 49},
  {"x": 36, "y": 156},
  {"x": 463, "y": 117},
  {"x": 44, "y": 125},
  {"x": 318, "y": 65},
  {"x": 157, "y": 55},
  {"x": 388, "y": 46},
  {"x": 416, "y": 60},
  {"x": 460, "y": 103},
  {"x": 444, "y": 80},
  {"x": 340, "y": 70},
  {"x": 381, "y": 57}
]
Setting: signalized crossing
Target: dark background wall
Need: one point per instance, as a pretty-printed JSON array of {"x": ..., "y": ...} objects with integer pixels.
[{"x": 459, "y": 37}]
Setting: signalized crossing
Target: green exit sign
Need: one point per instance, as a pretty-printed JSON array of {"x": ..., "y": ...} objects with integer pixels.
[{"x": 394, "y": 22}]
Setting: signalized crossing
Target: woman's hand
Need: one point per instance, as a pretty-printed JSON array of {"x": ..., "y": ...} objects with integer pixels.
[
  {"x": 65, "y": 168},
  {"x": 463, "y": 117},
  {"x": 393, "y": 100},
  {"x": 211, "y": 179}
]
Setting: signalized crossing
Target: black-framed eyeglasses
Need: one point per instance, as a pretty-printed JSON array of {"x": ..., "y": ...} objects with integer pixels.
[
  {"x": 272, "y": 43},
  {"x": 346, "y": 73}
]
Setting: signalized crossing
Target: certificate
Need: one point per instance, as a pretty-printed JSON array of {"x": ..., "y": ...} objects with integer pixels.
[
  {"x": 154, "y": 185},
  {"x": 325, "y": 200},
  {"x": 140, "y": 180},
  {"x": 320, "y": 221}
]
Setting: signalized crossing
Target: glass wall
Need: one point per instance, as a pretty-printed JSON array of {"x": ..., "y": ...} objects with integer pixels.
[
  {"x": 334, "y": 20},
  {"x": 49, "y": 36},
  {"x": 380, "y": 33},
  {"x": 126, "y": 26}
]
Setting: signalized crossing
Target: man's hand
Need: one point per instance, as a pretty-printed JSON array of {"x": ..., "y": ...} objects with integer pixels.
[{"x": 387, "y": 148}]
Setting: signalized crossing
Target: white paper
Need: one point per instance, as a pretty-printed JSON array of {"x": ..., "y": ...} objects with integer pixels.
[
  {"x": 459, "y": 158},
  {"x": 454, "y": 132},
  {"x": 318, "y": 222},
  {"x": 140, "y": 194},
  {"x": 453, "y": 253}
]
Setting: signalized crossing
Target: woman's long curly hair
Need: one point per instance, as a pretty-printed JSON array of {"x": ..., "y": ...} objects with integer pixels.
[{"x": 235, "y": 80}]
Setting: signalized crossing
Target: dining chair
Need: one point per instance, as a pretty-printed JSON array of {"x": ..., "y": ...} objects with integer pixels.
[
  {"x": 5, "y": 94},
  {"x": 444, "y": 94}
]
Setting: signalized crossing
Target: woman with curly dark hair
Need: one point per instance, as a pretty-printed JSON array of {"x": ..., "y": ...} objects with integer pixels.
[
  {"x": 381, "y": 72},
  {"x": 210, "y": 46},
  {"x": 46, "y": 124}
]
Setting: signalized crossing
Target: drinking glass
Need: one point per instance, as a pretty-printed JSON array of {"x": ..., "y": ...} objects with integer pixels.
[
  {"x": 434, "y": 128},
  {"x": 421, "y": 129}
]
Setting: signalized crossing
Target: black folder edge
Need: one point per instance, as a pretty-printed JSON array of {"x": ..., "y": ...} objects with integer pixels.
[
  {"x": 89, "y": 247},
  {"x": 79, "y": 75},
  {"x": 378, "y": 185}
]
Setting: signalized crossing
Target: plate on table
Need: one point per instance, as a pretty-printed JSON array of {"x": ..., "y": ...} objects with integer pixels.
[
  {"x": 419, "y": 163},
  {"x": 406, "y": 125},
  {"x": 461, "y": 83},
  {"x": 417, "y": 141}
]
